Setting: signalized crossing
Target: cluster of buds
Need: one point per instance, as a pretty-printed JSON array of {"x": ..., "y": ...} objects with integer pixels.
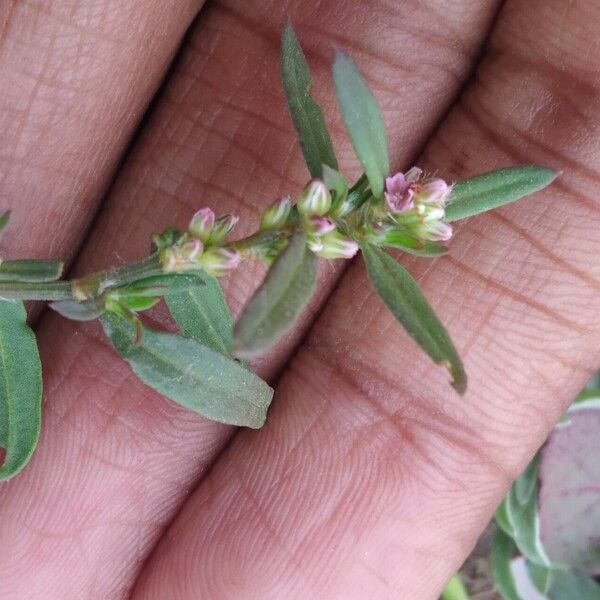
[
  {"x": 416, "y": 205},
  {"x": 315, "y": 212},
  {"x": 413, "y": 213},
  {"x": 200, "y": 246}
]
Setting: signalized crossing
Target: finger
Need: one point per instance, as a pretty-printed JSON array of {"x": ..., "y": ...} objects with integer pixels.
[
  {"x": 76, "y": 78},
  {"x": 115, "y": 460},
  {"x": 372, "y": 478}
]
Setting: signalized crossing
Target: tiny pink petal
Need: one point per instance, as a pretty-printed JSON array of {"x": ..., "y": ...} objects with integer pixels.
[
  {"x": 396, "y": 184},
  {"x": 322, "y": 225}
]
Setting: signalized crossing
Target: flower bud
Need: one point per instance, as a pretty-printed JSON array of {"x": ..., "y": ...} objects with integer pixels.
[
  {"x": 428, "y": 213},
  {"x": 277, "y": 214},
  {"x": 222, "y": 227},
  {"x": 435, "y": 191},
  {"x": 435, "y": 231},
  {"x": 183, "y": 258},
  {"x": 202, "y": 224},
  {"x": 336, "y": 245},
  {"x": 315, "y": 199},
  {"x": 219, "y": 261},
  {"x": 191, "y": 250},
  {"x": 168, "y": 260},
  {"x": 338, "y": 187}
]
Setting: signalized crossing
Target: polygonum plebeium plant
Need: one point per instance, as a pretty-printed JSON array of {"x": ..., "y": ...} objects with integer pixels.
[{"x": 329, "y": 219}]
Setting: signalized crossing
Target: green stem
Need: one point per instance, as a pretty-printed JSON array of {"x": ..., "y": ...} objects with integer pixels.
[
  {"x": 259, "y": 238},
  {"x": 30, "y": 270},
  {"x": 26, "y": 290},
  {"x": 147, "y": 267},
  {"x": 29, "y": 279}
]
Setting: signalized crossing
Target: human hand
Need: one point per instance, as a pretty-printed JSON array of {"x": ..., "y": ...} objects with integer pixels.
[{"x": 371, "y": 478}]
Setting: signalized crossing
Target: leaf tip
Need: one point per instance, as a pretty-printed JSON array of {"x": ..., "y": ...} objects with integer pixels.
[
  {"x": 288, "y": 31},
  {"x": 458, "y": 376}
]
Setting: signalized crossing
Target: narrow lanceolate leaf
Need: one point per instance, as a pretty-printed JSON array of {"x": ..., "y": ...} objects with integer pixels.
[
  {"x": 30, "y": 270},
  {"x": 306, "y": 114},
  {"x": 278, "y": 302},
  {"x": 402, "y": 295},
  {"x": 521, "y": 511},
  {"x": 192, "y": 374},
  {"x": 503, "y": 550},
  {"x": 20, "y": 388},
  {"x": 497, "y": 188},
  {"x": 202, "y": 314},
  {"x": 363, "y": 121}
]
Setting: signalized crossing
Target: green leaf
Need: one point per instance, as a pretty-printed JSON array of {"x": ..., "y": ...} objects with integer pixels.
[
  {"x": 192, "y": 375},
  {"x": 526, "y": 484},
  {"x": 455, "y": 590},
  {"x": 497, "y": 188},
  {"x": 305, "y": 112},
  {"x": 503, "y": 520},
  {"x": 570, "y": 585},
  {"x": 540, "y": 575},
  {"x": 201, "y": 312},
  {"x": 410, "y": 245},
  {"x": 30, "y": 270},
  {"x": 363, "y": 121},
  {"x": 20, "y": 389},
  {"x": 402, "y": 295},
  {"x": 503, "y": 550},
  {"x": 569, "y": 498},
  {"x": 79, "y": 311},
  {"x": 521, "y": 505},
  {"x": 279, "y": 300},
  {"x": 561, "y": 584}
]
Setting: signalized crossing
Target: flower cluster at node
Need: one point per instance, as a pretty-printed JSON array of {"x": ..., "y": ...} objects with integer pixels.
[
  {"x": 415, "y": 207},
  {"x": 315, "y": 215},
  {"x": 200, "y": 246},
  {"x": 410, "y": 215}
]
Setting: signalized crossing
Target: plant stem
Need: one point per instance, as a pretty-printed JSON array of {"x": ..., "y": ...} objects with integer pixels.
[
  {"x": 90, "y": 286},
  {"x": 95, "y": 284},
  {"x": 27, "y": 290},
  {"x": 147, "y": 267}
]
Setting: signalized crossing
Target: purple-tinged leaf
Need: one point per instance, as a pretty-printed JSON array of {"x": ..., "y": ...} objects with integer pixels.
[{"x": 569, "y": 499}]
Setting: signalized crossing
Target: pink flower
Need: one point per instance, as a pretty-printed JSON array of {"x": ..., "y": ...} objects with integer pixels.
[{"x": 400, "y": 191}]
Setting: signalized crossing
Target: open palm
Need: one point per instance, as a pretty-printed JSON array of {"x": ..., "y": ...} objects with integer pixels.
[{"x": 371, "y": 479}]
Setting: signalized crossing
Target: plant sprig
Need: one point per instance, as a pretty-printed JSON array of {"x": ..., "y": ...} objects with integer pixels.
[{"x": 200, "y": 368}]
